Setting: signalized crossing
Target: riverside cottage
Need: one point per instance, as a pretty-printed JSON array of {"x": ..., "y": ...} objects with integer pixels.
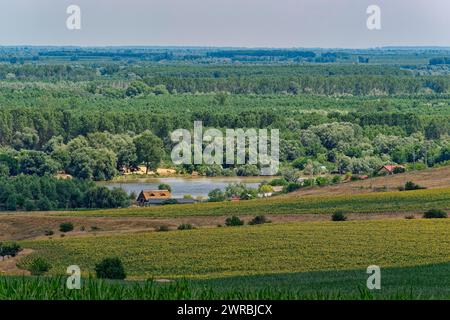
[{"x": 159, "y": 197}]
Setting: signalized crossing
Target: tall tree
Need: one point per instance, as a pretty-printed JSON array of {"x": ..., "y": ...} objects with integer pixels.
[{"x": 149, "y": 149}]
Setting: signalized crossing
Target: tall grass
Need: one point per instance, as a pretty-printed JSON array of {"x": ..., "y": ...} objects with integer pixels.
[{"x": 53, "y": 288}]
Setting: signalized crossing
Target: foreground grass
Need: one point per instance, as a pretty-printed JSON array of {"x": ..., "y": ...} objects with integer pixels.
[
  {"x": 256, "y": 250},
  {"x": 421, "y": 282},
  {"x": 360, "y": 203}
]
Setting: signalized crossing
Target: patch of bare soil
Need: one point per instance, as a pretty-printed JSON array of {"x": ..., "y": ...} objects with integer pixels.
[{"x": 34, "y": 226}]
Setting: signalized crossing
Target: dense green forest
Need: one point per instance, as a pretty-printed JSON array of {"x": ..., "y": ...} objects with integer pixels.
[{"x": 92, "y": 112}]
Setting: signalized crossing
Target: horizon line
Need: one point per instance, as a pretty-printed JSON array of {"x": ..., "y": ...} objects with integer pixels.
[{"x": 225, "y": 47}]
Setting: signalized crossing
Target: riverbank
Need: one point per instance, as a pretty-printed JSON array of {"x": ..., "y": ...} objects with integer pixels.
[{"x": 196, "y": 186}]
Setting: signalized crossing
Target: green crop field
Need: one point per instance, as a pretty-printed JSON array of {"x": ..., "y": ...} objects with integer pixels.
[
  {"x": 421, "y": 282},
  {"x": 362, "y": 203},
  {"x": 256, "y": 250}
]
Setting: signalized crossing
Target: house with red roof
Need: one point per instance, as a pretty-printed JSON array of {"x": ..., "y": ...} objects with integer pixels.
[{"x": 391, "y": 169}]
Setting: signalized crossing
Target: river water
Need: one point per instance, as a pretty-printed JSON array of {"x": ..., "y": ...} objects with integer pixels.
[{"x": 196, "y": 186}]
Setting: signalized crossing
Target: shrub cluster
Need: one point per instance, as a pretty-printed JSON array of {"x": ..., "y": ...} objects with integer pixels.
[
  {"x": 39, "y": 266},
  {"x": 110, "y": 268},
  {"x": 339, "y": 216},
  {"x": 66, "y": 227},
  {"x": 185, "y": 226},
  {"x": 435, "y": 214},
  {"x": 9, "y": 249},
  {"x": 259, "y": 220},
  {"x": 234, "y": 221},
  {"x": 411, "y": 186}
]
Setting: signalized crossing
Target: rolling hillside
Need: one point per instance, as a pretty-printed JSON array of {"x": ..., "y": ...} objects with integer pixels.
[{"x": 429, "y": 178}]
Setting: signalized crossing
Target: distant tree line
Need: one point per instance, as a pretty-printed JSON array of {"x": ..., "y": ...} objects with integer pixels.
[
  {"x": 261, "y": 53},
  {"x": 440, "y": 60},
  {"x": 357, "y": 85}
]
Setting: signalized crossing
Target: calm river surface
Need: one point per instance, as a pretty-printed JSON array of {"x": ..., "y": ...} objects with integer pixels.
[{"x": 198, "y": 186}]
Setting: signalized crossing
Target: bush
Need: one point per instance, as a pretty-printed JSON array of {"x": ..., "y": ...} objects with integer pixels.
[
  {"x": 322, "y": 181},
  {"x": 336, "y": 179},
  {"x": 162, "y": 228},
  {"x": 165, "y": 186},
  {"x": 241, "y": 191},
  {"x": 228, "y": 172},
  {"x": 291, "y": 187},
  {"x": 9, "y": 249},
  {"x": 39, "y": 266},
  {"x": 185, "y": 226},
  {"x": 309, "y": 182},
  {"x": 259, "y": 220},
  {"x": 398, "y": 170},
  {"x": 66, "y": 227},
  {"x": 279, "y": 182},
  {"x": 247, "y": 170},
  {"x": 412, "y": 186},
  {"x": 339, "y": 216},
  {"x": 216, "y": 195},
  {"x": 265, "y": 188},
  {"x": 233, "y": 221},
  {"x": 110, "y": 268},
  {"x": 435, "y": 214},
  {"x": 300, "y": 163}
]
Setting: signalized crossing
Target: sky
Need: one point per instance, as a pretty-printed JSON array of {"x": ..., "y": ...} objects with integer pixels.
[{"x": 226, "y": 23}]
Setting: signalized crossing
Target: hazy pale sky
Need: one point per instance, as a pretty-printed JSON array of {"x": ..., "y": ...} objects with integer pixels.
[{"x": 246, "y": 23}]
